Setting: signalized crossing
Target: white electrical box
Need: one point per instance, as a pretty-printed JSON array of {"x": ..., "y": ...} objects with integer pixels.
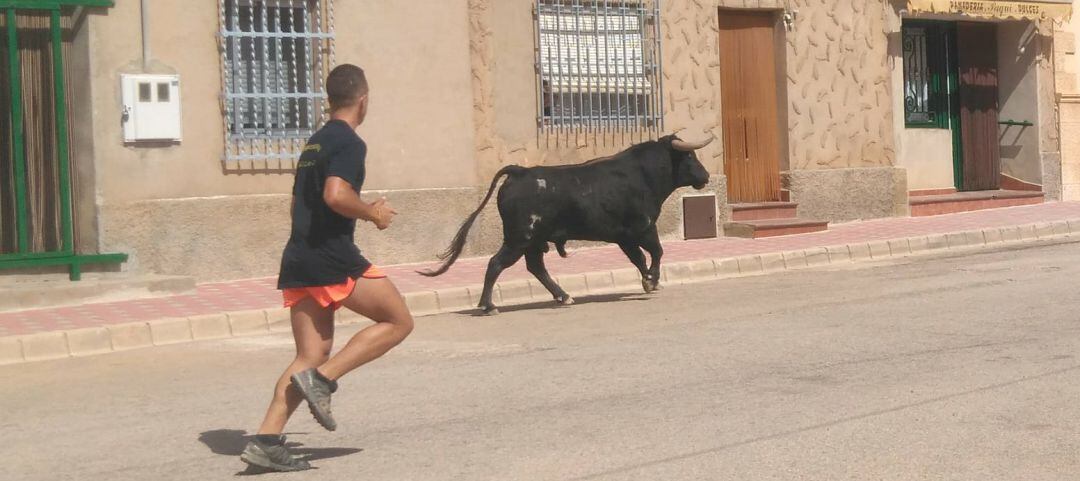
[{"x": 151, "y": 110}]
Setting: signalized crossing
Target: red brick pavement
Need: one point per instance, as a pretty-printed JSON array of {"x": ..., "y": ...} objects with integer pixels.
[{"x": 260, "y": 293}]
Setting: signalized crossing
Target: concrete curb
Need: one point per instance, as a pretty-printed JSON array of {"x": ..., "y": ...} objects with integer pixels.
[{"x": 120, "y": 337}]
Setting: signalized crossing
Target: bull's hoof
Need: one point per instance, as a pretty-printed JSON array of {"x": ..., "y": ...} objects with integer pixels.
[
  {"x": 648, "y": 286},
  {"x": 565, "y": 301},
  {"x": 489, "y": 311}
]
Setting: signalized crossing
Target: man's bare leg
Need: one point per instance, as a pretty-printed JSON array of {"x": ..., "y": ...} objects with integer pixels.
[
  {"x": 313, "y": 332},
  {"x": 380, "y": 301}
]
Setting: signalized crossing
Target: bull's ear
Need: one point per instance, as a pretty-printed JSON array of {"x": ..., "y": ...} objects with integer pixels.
[{"x": 667, "y": 139}]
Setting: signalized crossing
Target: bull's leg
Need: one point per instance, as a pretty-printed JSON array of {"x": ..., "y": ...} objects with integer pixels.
[
  {"x": 638, "y": 259},
  {"x": 534, "y": 260},
  {"x": 506, "y": 257},
  {"x": 651, "y": 244}
]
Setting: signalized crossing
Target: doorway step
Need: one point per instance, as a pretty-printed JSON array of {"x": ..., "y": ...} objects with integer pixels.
[
  {"x": 769, "y": 219},
  {"x": 46, "y": 290},
  {"x": 927, "y": 203}
]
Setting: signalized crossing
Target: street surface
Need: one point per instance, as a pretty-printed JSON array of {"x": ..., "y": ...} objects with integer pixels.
[{"x": 931, "y": 368}]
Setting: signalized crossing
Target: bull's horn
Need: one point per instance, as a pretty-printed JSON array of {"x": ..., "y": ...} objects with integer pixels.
[{"x": 688, "y": 147}]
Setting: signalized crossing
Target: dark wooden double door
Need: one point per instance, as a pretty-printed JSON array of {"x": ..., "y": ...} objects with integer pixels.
[{"x": 979, "y": 157}]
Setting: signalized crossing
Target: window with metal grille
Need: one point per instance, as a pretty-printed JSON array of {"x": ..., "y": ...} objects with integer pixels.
[
  {"x": 926, "y": 89},
  {"x": 275, "y": 55},
  {"x": 598, "y": 65}
]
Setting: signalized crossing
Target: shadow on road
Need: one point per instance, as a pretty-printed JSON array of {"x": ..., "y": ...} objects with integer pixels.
[
  {"x": 597, "y": 299},
  {"x": 226, "y": 442},
  {"x": 230, "y": 442}
]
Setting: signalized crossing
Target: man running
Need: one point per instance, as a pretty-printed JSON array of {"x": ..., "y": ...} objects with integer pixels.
[{"x": 322, "y": 270}]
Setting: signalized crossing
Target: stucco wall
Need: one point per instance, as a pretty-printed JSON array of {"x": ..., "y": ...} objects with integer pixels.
[
  {"x": 453, "y": 100},
  {"x": 1070, "y": 148},
  {"x": 842, "y": 129},
  {"x": 504, "y": 86},
  {"x": 928, "y": 157},
  {"x": 1049, "y": 128},
  {"x": 839, "y": 71},
  {"x": 442, "y": 111},
  {"x": 174, "y": 236},
  {"x": 417, "y": 126},
  {"x": 1018, "y": 99},
  {"x": 418, "y": 129},
  {"x": 1067, "y": 68},
  {"x": 504, "y": 90},
  {"x": 1066, "y": 62},
  {"x": 183, "y": 40},
  {"x": 84, "y": 193},
  {"x": 839, "y": 112}
]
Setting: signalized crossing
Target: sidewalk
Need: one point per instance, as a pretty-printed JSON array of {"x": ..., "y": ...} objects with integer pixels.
[{"x": 258, "y": 295}]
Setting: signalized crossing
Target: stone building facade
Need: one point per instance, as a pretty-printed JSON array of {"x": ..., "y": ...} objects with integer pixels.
[
  {"x": 455, "y": 91},
  {"x": 1067, "y": 77}
]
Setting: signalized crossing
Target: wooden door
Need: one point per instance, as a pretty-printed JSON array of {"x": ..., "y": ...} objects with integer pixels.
[
  {"x": 977, "y": 62},
  {"x": 748, "y": 90}
]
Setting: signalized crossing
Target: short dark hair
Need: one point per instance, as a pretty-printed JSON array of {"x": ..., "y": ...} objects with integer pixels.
[{"x": 345, "y": 85}]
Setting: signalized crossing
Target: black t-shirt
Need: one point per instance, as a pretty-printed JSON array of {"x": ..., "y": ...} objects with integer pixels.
[{"x": 321, "y": 250}]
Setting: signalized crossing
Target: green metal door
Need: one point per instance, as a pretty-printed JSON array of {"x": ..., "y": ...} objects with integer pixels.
[
  {"x": 22, "y": 253},
  {"x": 953, "y": 68}
]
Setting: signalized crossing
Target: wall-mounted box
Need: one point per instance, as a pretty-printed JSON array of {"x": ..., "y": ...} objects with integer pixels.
[
  {"x": 699, "y": 216},
  {"x": 151, "y": 107}
]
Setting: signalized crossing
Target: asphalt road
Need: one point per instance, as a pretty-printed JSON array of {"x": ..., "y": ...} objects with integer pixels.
[{"x": 936, "y": 368}]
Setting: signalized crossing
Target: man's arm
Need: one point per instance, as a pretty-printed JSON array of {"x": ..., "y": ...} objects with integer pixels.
[{"x": 340, "y": 196}]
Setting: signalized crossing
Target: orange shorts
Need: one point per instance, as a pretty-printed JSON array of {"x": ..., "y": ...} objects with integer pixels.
[{"x": 328, "y": 296}]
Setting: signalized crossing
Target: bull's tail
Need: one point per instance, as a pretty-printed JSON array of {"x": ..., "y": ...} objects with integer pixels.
[{"x": 458, "y": 244}]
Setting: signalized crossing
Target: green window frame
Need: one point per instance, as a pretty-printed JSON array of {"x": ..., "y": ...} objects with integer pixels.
[{"x": 925, "y": 60}]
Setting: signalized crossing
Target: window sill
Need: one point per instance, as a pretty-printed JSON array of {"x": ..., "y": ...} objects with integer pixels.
[{"x": 926, "y": 126}]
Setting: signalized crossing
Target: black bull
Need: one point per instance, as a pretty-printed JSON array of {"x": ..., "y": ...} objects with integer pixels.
[{"x": 615, "y": 199}]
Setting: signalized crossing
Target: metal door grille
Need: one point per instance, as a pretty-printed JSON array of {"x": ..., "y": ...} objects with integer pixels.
[
  {"x": 275, "y": 55},
  {"x": 598, "y": 65},
  {"x": 926, "y": 95}
]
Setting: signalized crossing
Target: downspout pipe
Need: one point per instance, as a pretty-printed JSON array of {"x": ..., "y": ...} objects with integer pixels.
[{"x": 145, "y": 18}]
